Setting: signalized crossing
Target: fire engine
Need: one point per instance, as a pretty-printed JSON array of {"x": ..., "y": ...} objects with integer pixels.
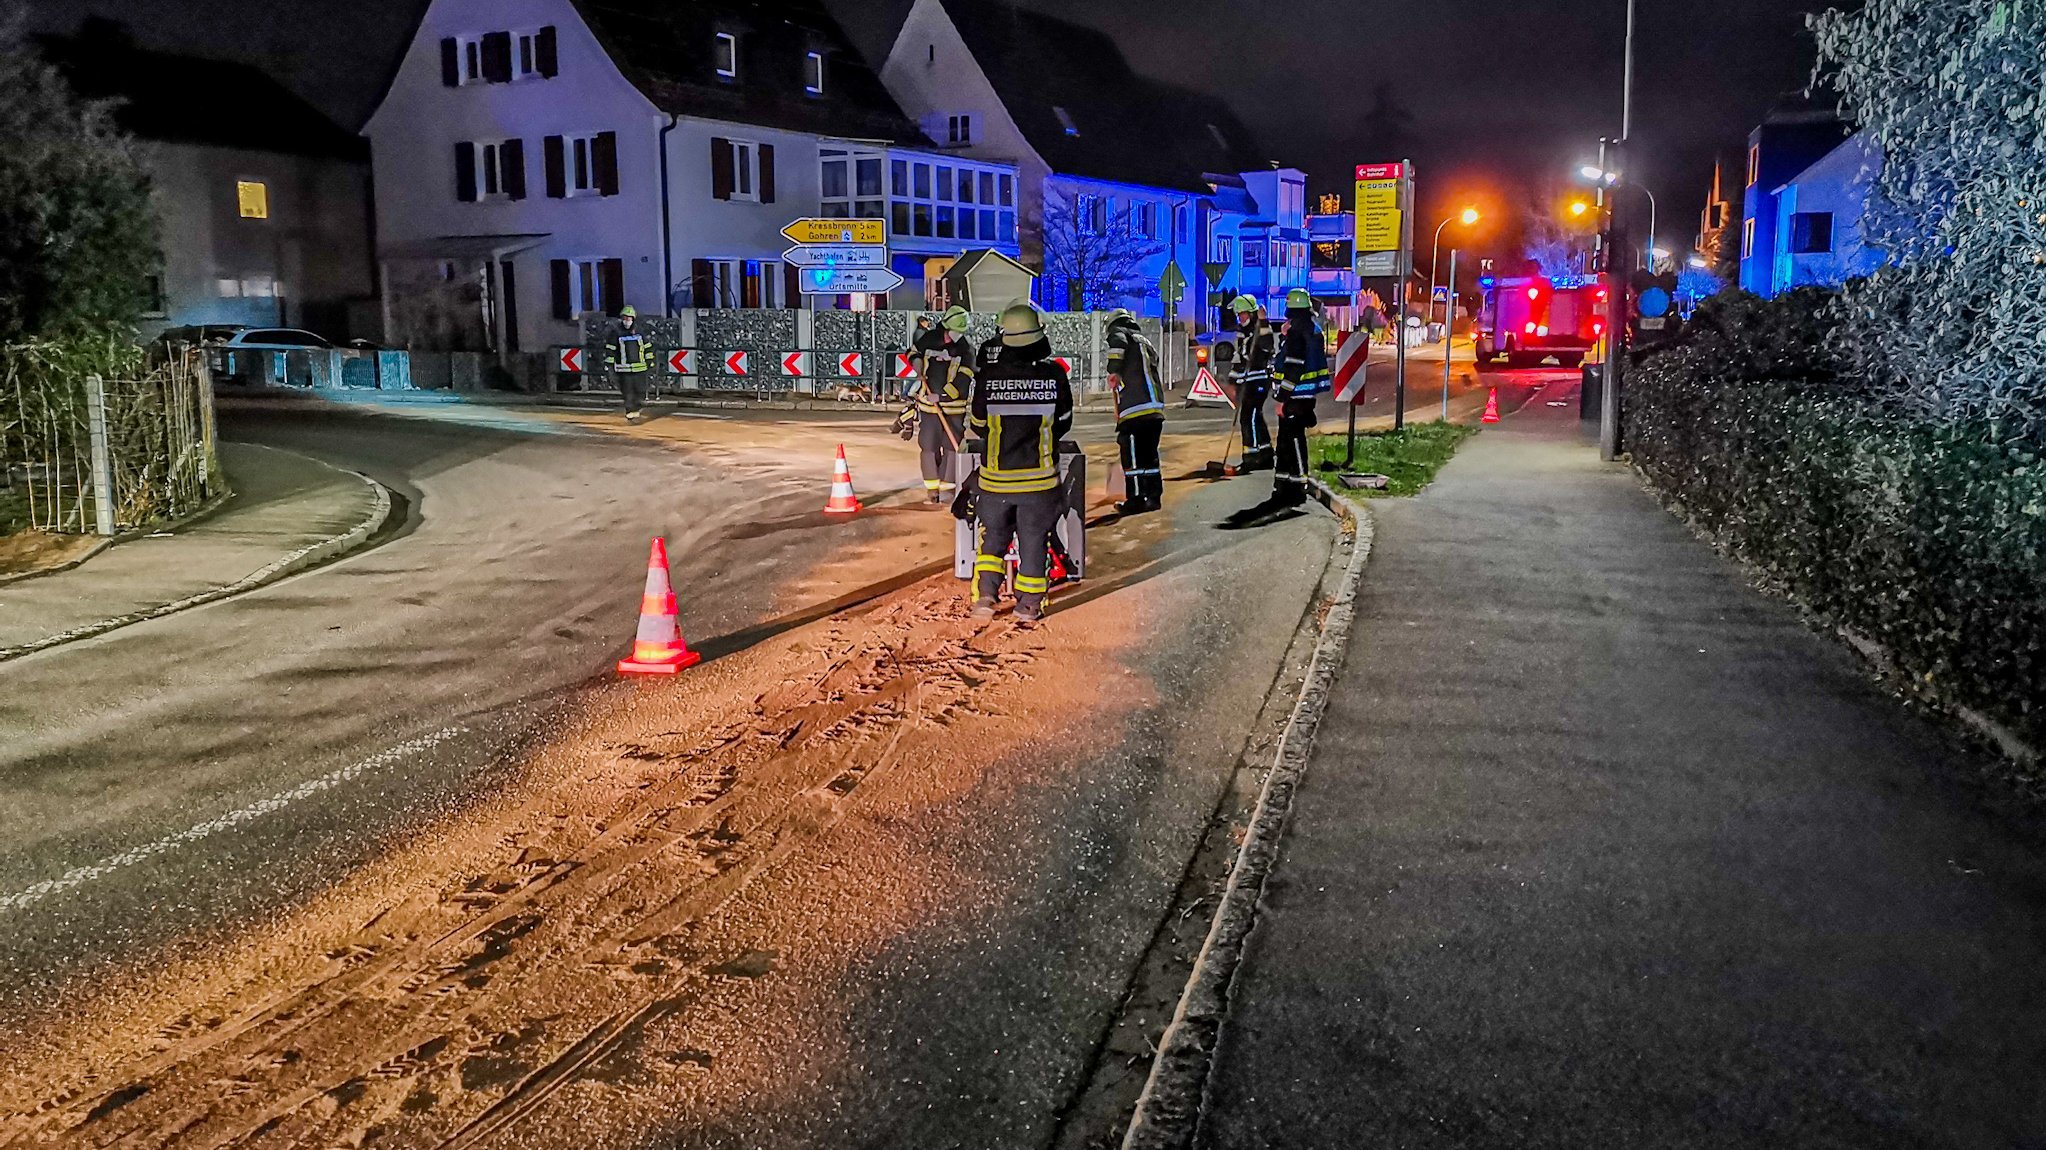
[{"x": 1527, "y": 319}]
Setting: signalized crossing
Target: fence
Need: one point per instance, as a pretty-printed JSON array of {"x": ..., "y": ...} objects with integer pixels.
[
  {"x": 81, "y": 453},
  {"x": 807, "y": 352}
]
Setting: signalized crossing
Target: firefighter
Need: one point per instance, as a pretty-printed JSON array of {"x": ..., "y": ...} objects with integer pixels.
[
  {"x": 625, "y": 358},
  {"x": 1302, "y": 377},
  {"x": 945, "y": 367},
  {"x": 1139, "y": 412},
  {"x": 1256, "y": 344},
  {"x": 1022, "y": 406}
]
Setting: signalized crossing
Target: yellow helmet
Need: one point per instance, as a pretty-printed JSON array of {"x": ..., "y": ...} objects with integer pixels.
[
  {"x": 1022, "y": 325},
  {"x": 1243, "y": 305},
  {"x": 627, "y": 312},
  {"x": 955, "y": 318},
  {"x": 1298, "y": 297}
]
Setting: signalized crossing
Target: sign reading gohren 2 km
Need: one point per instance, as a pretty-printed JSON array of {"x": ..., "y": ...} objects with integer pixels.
[
  {"x": 812, "y": 230},
  {"x": 1379, "y": 195}
]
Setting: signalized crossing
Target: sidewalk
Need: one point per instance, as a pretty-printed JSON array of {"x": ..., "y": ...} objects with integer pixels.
[
  {"x": 1599, "y": 847},
  {"x": 288, "y": 512}
]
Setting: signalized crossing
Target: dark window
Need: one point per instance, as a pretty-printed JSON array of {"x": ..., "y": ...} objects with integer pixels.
[
  {"x": 508, "y": 305},
  {"x": 546, "y": 55},
  {"x": 511, "y": 156},
  {"x": 835, "y": 187},
  {"x": 813, "y": 73},
  {"x": 869, "y": 177},
  {"x": 611, "y": 273},
  {"x": 900, "y": 224},
  {"x": 898, "y": 177},
  {"x": 1811, "y": 233},
  {"x": 558, "y": 274},
  {"x": 725, "y": 55},
  {"x": 153, "y": 302},
  {"x": 497, "y": 57},
  {"x": 605, "y": 159},
  {"x": 450, "y": 62},
  {"x": 465, "y": 172},
  {"x": 554, "y": 156},
  {"x": 767, "y": 173},
  {"x": 945, "y": 230}
]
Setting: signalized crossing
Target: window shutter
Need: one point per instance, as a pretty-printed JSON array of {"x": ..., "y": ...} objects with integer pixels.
[
  {"x": 450, "y": 63},
  {"x": 558, "y": 271},
  {"x": 465, "y": 172},
  {"x": 767, "y": 173},
  {"x": 701, "y": 286},
  {"x": 604, "y": 157},
  {"x": 497, "y": 57},
  {"x": 553, "y": 156},
  {"x": 544, "y": 53},
  {"x": 511, "y": 157},
  {"x": 720, "y": 168},
  {"x": 791, "y": 286},
  {"x": 612, "y": 275}
]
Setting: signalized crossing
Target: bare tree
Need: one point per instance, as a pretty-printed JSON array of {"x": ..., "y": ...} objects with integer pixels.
[{"x": 1095, "y": 248}]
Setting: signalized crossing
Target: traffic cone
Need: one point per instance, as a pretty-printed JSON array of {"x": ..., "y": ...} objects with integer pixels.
[
  {"x": 1491, "y": 407},
  {"x": 843, "y": 501},
  {"x": 658, "y": 649}
]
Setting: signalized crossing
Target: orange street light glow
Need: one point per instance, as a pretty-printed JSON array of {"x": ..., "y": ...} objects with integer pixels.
[
  {"x": 1579, "y": 207},
  {"x": 1470, "y": 216}
]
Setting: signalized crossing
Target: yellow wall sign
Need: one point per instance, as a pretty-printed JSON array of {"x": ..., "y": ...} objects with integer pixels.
[
  {"x": 818, "y": 231},
  {"x": 1378, "y": 230},
  {"x": 252, "y": 198}
]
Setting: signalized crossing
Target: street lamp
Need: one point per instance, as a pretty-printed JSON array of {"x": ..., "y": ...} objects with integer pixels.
[
  {"x": 1467, "y": 217},
  {"x": 1579, "y": 207}
]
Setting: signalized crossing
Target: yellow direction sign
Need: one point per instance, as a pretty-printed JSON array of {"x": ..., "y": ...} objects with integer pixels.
[
  {"x": 816, "y": 231},
  {"x": 1378, "y": 206}
]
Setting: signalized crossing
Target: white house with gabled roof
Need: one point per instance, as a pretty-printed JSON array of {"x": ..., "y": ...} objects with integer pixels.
[{"x": 535, "y": 160}]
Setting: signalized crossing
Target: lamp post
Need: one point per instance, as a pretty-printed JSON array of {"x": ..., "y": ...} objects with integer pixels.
[
  {"x": 1616, "y": 294},
  {"x": 1467, "y": 217},
  {"x": 1448, "y": 334}
]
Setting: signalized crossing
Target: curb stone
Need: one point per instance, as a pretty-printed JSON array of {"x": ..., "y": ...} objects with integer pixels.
[
  {"x": 195, "y": 515},
  {"x": 1168, "y": 1112},
  {"x": 312, "y": 554}
]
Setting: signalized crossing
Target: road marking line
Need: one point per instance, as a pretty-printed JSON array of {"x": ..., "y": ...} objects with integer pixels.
[{"x": 255, "y": 810}]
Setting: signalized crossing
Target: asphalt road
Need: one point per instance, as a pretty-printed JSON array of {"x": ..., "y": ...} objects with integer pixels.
[
  {"x": 231, "y": 764},
  {"x": 351, "y": 702}
]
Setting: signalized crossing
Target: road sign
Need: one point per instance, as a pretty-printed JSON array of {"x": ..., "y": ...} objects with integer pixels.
[
  {"x": 1380, "y": 189},
  {"x": 852, "y": 363},
  {"x": 848, "y": 281},
  {"x": 1214, "y": 273},
  {"x": 572, "y": 359},
  {"x": 1439, "y": 295},
  {"x": 811, "y": 230},
  {"x": 1378, "y": 264},
  {"x": 905, "y": 366},
  {"x": 795, "y": 363},
  {"x": 836, "y": 256},
  {"x": 735, "y": 363},
  {"x": 1352, "y": 351},
  {"x": 682, "y": 361},
  {"x": 1171, "y": 284},
  {"x": 1205, "y": 388}
]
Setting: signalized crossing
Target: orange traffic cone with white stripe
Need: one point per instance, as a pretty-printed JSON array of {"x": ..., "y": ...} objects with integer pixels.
[
  {"x": 843, "y": 501},
  {"x": 658, "y": 649},
  {"x": 1491, "y": 407}
]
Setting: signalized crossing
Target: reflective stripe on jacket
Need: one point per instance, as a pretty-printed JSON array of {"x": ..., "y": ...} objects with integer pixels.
[
  {"x": 626, "y": 352},
  {"x": 1021, "y": 409},
  {"x": 1303, "y": 373},
  {"x": 1133, "y": 368},
  {"x": 945, "y": 368}
]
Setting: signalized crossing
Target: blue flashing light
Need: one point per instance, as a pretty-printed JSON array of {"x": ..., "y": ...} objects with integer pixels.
[
  {"x": 1569, "y": 281},
  {"x": 1486, "y": 281}
]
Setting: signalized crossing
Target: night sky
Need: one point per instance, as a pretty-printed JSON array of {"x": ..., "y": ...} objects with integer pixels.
[{"x": 1507, "y": 96}]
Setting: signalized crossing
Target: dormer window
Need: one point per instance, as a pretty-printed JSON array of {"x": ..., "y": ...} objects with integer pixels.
[
  {"x": 1065, "y": 120},
  {"x": 725, "y": 57},
  {"x": 813, "y": 73},
  {"x": 959, "y": 129}
]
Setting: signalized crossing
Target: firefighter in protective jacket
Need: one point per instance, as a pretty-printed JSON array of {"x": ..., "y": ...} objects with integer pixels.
[
  {"x": 1302, "y": 377},
  {"x": 1139, "y": 412},
  {"x": 1022, "y": 406},
  {"x": 944, "y": 358},
  {"x": 1256, "y": 346},
  {"x": 626, "y": 359}
]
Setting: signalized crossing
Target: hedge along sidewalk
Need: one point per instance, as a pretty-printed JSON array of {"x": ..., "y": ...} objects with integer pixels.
[{"x": 288, "y": 513}]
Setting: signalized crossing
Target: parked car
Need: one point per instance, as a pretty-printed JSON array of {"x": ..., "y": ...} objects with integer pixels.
[
  {"x": 202, "y": 334},
  {"x": 261, "y": 354}
]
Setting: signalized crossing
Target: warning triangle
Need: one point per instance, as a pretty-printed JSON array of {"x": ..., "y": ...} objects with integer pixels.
[{"x": 1205, "y": 388}]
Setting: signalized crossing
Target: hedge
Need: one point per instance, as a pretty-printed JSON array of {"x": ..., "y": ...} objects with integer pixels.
[{"x": 1927, "y": 539}]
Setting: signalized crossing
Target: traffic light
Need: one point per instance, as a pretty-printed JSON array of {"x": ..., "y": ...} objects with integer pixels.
[{"x": 1653, "y": 313}]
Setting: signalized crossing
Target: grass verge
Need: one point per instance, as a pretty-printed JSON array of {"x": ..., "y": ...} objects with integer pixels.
[{"x": 1409, "y": 457}]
